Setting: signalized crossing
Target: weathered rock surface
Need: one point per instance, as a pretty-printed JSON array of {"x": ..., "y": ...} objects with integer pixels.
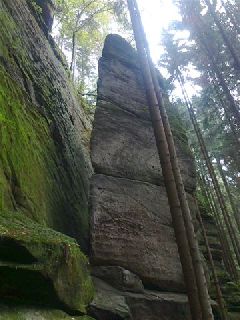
[
  {"x": 131, "y": 223},
  {"x": 44, "y": 163},
  {"x": 111, "y": 304},
  {"x": 131, "y": 227},
  {"x": 119, "y": 278},
  {"x": 122, "y": 141},
  {"x": 108, "y": 303},
  {"x": 39, "y": 265}
]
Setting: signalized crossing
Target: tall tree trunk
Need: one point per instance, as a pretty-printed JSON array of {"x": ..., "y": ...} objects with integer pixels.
[
  {"x": 170, "y": 184},
  {"x": 227, "y": 256},
  {"x": 229, "y": 119},
  {"x": 226, "y": 216},
  {"x": 199, "y": 29},
  {"x": 224, "y": 36},
  {"x": 233, "y": 272},
  {"x": 179, "y": 187},
  {"x": 234, "y": 108},
  {"x": 220, "y": 300},
  {"x": 73, "y": 59},
  {"x": 231, "y": 201},
  {"x": 227, "y": 112},
  {"x": 191, "y": 236}
]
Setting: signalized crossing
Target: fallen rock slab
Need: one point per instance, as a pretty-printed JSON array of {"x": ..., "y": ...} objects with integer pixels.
[{"x": 149, "y": 305}]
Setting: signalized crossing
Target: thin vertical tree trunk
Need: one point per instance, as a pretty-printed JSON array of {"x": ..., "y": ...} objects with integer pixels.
[
  {"x": 211, "y": 57},
  {"x": 169, "y": 180},
  {"x": 231, "y": 201},
  {"x": 233, "y": 272},
  {"x": 191, "y": 237},
  {"x": 227, "y": 112},
  {"x": 73, "y": 59},
  {"x": 227, "y": 256},
  {"x": 213, "y": 211},
  {"x": 230, "y": 122},
  {"x": 224, "y": 36},
  {"x": 220, "y": 300},
  {"x": 223, "y": 84},
  {"x": 226, "y": 216}
]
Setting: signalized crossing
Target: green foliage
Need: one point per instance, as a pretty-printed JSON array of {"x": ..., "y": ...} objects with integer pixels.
[
  {"x": 36, "y": 7},
  {"x": 195, "y": 55},
  {"x": 88, "y": 22}
]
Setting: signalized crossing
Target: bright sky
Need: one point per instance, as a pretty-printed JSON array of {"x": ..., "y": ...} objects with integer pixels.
[{"x": 156, "y": 15}]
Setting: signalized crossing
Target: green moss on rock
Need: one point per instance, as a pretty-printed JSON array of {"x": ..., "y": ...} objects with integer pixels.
[
  {"x": 52, "y": 264},
  {"x": 44, "y": 167},
  {"x": 27, "y": 158}
]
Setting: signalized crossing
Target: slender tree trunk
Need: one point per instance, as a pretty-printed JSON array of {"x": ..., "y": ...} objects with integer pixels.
[
  {"x": 231, "y": 201},
  {"x": 223, "y": 84},
  {"x": 226, "y": 216},
  {"x": 227, "y": 112},
  {"x": 211, "y": 56},
  {"x": 231, "y": 124},
  {"x": 73, "y": 60},
  {"x": 191, "y": 237},
  {"x": 170, "y": 184},
  {"x": 224, "y": 36},
  {"x": 220, "y": 300},
  {"x": 227, "y": 256},
  {"x": 233, "y": 272}
]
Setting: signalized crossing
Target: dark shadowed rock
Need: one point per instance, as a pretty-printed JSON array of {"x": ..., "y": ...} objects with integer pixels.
[
  {"x": 119, "y": 278},
  {"x": 108, "y": 303},
  {"x": 41, "y": 266},
  {"x": 157, "y": 305},
  {"x": 111, "y": 304}
]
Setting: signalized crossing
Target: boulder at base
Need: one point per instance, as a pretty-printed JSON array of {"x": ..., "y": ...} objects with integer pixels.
[
  {"x": 41, "y": 266},
  {"x": 112, "y": 304}
]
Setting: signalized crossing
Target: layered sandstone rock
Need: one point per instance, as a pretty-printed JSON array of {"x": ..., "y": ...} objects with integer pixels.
[{"x": 131, "y": 223}]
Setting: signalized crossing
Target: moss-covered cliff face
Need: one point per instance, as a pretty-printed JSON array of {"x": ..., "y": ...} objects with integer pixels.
[{"x": 44, "y": 166}]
